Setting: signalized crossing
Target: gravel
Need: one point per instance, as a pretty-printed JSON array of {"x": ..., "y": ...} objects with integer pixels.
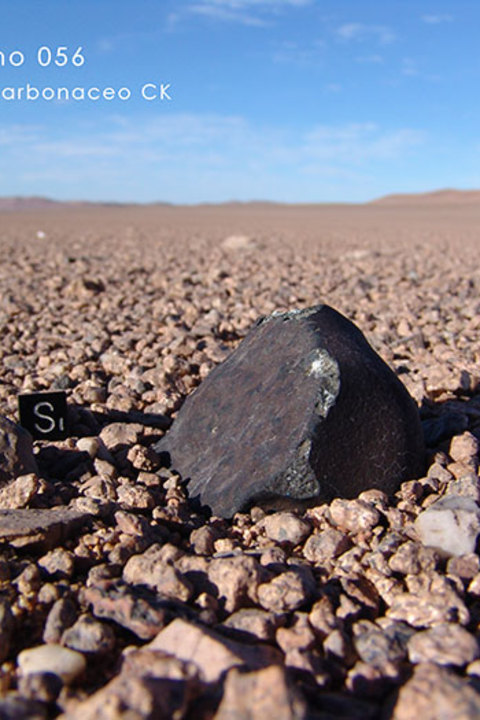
[{"x": 118, "y": 597}]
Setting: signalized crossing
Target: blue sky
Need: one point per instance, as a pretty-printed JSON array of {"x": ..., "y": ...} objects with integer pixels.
[{"x": 286, "y": 100}]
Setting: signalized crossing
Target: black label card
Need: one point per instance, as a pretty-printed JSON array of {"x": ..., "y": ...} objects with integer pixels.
[{"x": 44, "y": 414}]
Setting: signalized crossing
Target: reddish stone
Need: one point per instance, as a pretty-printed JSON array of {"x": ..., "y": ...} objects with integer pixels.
[
  {"x": 143, "y": 613},
  {"x": 16, "y": 451}
]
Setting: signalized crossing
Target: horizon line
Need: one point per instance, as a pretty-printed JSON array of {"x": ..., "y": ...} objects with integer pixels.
[{"x": 37, "y": 201}]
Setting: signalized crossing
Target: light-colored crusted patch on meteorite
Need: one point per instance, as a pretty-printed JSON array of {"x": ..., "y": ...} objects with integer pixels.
[{"x": 325, "y": 369}]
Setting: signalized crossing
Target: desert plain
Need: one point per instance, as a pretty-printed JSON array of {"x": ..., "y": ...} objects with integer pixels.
[{"x": 123, "y": 600}]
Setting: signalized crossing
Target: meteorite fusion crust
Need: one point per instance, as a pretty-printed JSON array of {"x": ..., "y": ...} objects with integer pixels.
[{"x": 148, "y": 91}]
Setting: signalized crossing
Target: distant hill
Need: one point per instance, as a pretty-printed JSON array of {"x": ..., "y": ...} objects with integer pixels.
[
  {"x": 43, "y": 203},
  {"x": 437, "y": 197},
  {"x": 39, "y": 203},
  {"x": 27, "y": 203}
]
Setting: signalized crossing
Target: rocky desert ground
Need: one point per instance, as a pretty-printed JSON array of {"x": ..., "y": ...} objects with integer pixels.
[{"x": 118, "y": 599}]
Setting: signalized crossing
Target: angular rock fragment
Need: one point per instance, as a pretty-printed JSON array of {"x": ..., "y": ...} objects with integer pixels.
[
  {"x": 411, "y": 558},
  {"x": 150, "y": 685},
  {"x": 378, "y": 646},
  {"x": 465, "y": 566},
  {"x": 89, "y": 636},
  {"x": 18, "y": 493},
  {"x": 143, "y": 613},
  {"x": 288, "y": 591},
  {"x": 58, "y": 563},
  {"x": 253, "y": 623},
  {"x": 118, "y": 435},
  {"x": 444, "y": 644},
  {"x": 236, "y": 580},
  {"x": 16, "y": 452},
  {"x": 428, "y": 608},
  {"x": 285, "y": 527},
  {"x": 62, "y": 616},
  {"x": 353, "y": 516},
  {"x": 303, "y": 409},
  {"x": 249, "y": 696},
  {"x": 149, "y": 569},
  {"x": 209, "y": 651},
  {"x": 451, "y": 525},
  {"x": 464, "y": 449},
  {"x": 40, "y": 527},
  {"x": 326, "y": 545},
  {"x": 435, "y": 692},
  {"x": 298, "y": 635}
]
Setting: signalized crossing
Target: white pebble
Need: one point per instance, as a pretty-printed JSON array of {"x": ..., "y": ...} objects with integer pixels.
[
  {"x": 451, "y": 525},
  {"x": 67, "y": 664},
  {"x": 237, "y": 242},
  {"x": 91, "y": 445}
]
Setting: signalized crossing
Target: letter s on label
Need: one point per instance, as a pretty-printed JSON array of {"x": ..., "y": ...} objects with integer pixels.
[{"x": 50, "y": 425}]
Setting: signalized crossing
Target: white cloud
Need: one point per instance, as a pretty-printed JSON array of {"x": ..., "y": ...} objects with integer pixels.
[
  {"x": 198, "y": 136},
  {"x": 299, "y": 54},
  {"x": 11, "y": 135},
  {"x": 359, "y": 143},
  {"x": 436, "y": 19},
  {"x": 245, "y": 12},
  {"x": 226, "y": 15},
  {"x": 69, "y": 149},
  {"x": 361, "y": 33},
  {"x": 195, "y": 158}
]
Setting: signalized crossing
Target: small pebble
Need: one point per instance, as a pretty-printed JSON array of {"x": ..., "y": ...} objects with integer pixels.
[
  {"x": 451, "y": 525},
  {"x": 67, "y": 664},
  {"x": 285, "y": 527},
  {"x": 444, "y": 644}
]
